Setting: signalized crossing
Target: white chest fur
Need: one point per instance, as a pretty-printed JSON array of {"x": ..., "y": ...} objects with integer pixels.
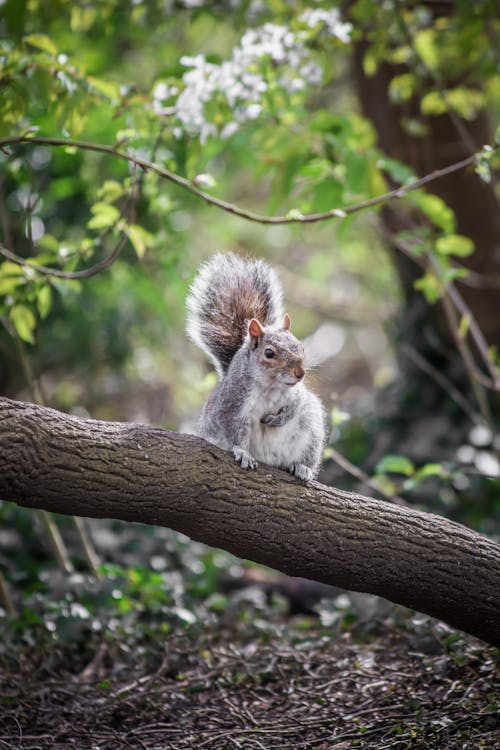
[{"x": 276, "y": 446}]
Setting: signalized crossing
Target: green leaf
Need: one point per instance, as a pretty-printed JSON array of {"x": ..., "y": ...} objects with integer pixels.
[
  {"x": 43, "y": 42},
  {"x": 483, "y": 159},
  {"x": 430, "y": 287},
  {"x": 436, "y": 210},
  {"x": 464, "y": 101},
  {"x": 327, "y": 193},
  {"x": 431, "y": 470},
  {"x": 110, "y": 191},
  {"x": 464, "y": 326},
  {"x": 397, "y": 170},
  {"x": 105, "y": 215},
  {"x": 433, "y": 104},
  {"x": 125, "y": 135},
  {"x": 402, "y": 87},
  {"x": 50, "y": 243},
  {"x": 11, "y": 276},
  {"x": 370, "y": 62},
  {"x": 82, "y": 18},
  {"x": 109, "y": 89},
  {"x": 140, "y": 238},
  {"x": 24, "y": 322},
  {"x": 425, "y": 43},
  {"x": 428, "y": 470},
  {"x": 455, "y": 244},
  {"x": 44, "y": 300},
  {"x": 394, "y": 464},
  {"x": 8, "y": 284},
  {"x": 7, "y": 268}
]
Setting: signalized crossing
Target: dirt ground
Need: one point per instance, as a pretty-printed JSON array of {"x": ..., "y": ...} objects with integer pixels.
[{"x": 256, "y": 685}]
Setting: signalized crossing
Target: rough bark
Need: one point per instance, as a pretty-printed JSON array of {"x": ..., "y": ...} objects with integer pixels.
[{"x": 84, "y": 467}]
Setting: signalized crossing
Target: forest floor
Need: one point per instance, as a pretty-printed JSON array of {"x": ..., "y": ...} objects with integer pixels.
[
  {"x": 180, "y": 646},
  {"x": 254, "y": 680}
]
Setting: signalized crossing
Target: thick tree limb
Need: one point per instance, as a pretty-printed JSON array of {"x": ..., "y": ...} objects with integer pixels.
[{"x": 84, "y": 467}]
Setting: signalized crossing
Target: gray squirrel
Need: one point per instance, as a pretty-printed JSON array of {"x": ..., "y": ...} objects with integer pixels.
[{"x": 261, "y": 409}]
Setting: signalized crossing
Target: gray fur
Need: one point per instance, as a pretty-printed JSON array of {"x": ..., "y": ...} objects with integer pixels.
[
  {"x": 217, "y": 321},
  {"x": 260, "y": 410}
]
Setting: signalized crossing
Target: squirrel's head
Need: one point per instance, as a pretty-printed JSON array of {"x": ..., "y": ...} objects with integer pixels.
[{"x": 279, "y": 354}]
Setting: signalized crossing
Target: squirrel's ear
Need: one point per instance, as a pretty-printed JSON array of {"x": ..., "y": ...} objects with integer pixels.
[
  {"x": 286, "y": 322},
  {"x": 255, "y": 329}
]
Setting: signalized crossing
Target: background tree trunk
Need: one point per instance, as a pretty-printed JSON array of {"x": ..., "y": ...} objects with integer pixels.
[
  {"x": 84, "y": 467},
  {"x": 473, "y": 201}
]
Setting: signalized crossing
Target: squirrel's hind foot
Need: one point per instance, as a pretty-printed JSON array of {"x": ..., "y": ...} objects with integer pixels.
[
  {"x": 244, "y": 458},
  {"x": 301, "y": 472}
]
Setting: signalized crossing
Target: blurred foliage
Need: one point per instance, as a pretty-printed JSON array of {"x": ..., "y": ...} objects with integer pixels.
[{"x": 252, "y": 103}]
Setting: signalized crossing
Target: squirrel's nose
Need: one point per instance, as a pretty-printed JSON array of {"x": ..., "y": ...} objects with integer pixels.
[{"x": 298, "y": 372}]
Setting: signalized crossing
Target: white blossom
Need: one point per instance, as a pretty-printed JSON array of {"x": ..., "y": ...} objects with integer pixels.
[
  {"x": 238, "y": 81},
  {"x": 331, "y": 20},
  {"x": 312, "y": 73},
  {"x": 161, "y": 91},
  {"x": 229, "y": 129}
]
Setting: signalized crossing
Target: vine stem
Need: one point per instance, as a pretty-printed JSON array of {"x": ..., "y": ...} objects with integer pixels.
[{"x": 183, "y": 182}]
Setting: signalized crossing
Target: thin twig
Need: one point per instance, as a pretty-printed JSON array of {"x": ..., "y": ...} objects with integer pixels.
[
  {"x": 83, "y": 274},
  {"x": 442, "y": 381},
  {"x": 5, "y": 597},
  {"x": 476, "y": 333},
  {"x": 475, "y": 377},
  {"x": 452, "y": 294},
  {"x": 186, "y": 184},
  {"x": 56, "y": 541},
  {"x": 91, "y": 555},
  {"x": 345, "y": 464}
]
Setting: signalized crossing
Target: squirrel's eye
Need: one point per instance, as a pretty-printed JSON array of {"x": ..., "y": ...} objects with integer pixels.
[{"x": 269, "y": 353}]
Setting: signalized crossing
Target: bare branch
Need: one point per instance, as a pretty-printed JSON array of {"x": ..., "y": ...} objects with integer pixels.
[
  {"x": 85, "y": 273},
  {"x": 186, "y": 184}
]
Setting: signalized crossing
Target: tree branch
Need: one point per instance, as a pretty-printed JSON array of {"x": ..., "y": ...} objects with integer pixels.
[
  {"x": 85, "y": 273},
  {"x": 71, "y": 465},
  {"x": 183, "y": 182}
]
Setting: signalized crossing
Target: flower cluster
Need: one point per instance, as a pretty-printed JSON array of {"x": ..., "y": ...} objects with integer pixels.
[
  {"x": 240, "y": 80},
  {"x": 331, "y": 20}
]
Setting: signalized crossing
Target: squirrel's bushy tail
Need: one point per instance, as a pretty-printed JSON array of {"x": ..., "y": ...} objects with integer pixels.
[{"x": 228, "y": 292}]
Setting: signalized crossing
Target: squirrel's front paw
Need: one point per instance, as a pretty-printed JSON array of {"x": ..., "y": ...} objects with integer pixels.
[
  {"x": 301, "y": 472},
  {"x": 243, "y": 457},
  {"x": 273, "y": 420}
]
